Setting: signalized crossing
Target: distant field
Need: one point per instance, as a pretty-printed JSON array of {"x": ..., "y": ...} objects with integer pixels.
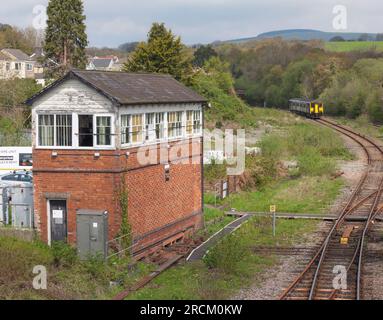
[{"x": 353, "y": 46}]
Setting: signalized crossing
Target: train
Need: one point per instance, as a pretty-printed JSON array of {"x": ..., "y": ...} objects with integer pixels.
[{"x": 309, "y": 108}]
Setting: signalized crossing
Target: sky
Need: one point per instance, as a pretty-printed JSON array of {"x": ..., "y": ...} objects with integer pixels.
[{"x": 113, "y": 22}]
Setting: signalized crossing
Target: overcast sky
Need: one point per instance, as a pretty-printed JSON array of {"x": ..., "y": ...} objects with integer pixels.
[{"x": 112, "y": 22}]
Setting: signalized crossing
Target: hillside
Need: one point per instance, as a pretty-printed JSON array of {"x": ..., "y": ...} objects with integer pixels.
[{"x": 304, "y": 34}]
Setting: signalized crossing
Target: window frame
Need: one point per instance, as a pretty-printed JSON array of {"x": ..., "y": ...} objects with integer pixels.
[
  {"x": 176, "y": 128},
  {"x": 195, "y": 132},
  {"x": 18, "y": 66},
  {"x": 38, "y": 133},
  {"x": 128, "y": 127},
  {"x": 56, "y": 127},
  {"x": 95, "y": 127},
  {"x": 189, "y": 123},
  {"x": 142, "y": 132},
  {"x": 75, "y": 132}
]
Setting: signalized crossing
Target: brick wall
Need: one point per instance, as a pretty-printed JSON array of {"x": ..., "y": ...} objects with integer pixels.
[{"x": 157, "y": 208}]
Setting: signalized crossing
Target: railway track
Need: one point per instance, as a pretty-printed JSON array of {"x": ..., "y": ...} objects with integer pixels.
[{"x": 315, "y": 282}]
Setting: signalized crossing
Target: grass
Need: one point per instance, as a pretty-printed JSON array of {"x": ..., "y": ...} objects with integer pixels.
[
  {"x": 347, "y": 46},
  {"x": 198, "y": 281},
  {"x": 215, "y": 220},
  {"x": 303, "y": 195},
  {"x": 363, "y": 125},
  {"x": 276, "y": 117},
  {"x": 68, "y": 278}
]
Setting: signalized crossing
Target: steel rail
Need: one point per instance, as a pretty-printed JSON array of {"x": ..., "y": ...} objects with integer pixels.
[
  {"x": 323, "y": 249},
  {"x": 328, "y": 239},
  {"x": 359, "y": 248},
  {"x": 370, "y": 218},
  {"x": 312, "y": 261},
  {"x": 335, "y": 291}
]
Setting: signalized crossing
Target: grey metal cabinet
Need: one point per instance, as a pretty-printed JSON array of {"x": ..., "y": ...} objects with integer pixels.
[{"x": 92, "y": 233}]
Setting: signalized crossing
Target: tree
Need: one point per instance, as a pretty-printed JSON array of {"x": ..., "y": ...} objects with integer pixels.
[
  {"x": 375, "y": 107},
  {"x": 128, "y": 46},
  {"x": 379, "y": 37},
  {"x": 15, "y": 91},
  {"x": 203, "y": 54},
  {"x": 12, "y": 37},
  {"x": 337, "y": 39},
  {"x": 364, "y": 37},
  {"x": 66, "y": 38},
  {"x": 162, "y": 53}
]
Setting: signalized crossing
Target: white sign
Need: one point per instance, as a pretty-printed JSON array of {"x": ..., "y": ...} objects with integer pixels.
[
  {"x": 95, "y": 225},
  {"x": 15, "y": 158},
  {"x": 58, "y": 214}
]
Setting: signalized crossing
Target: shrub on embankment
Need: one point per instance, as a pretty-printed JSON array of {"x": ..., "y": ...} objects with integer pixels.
[{"x": 314, "y": 148}]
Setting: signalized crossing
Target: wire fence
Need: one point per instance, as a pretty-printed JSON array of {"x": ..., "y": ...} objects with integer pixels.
[{"x": 118, "y": 245}]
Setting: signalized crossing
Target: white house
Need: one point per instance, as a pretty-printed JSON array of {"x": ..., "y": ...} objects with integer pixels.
[{"x": 16, "y": 63}]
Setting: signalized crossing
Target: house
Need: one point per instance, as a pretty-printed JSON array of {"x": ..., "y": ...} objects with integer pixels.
[
  {"x": 92, "y": 130},
  {"x": 38, "y": 56},
  {"x": 107, "y": 63},
  {"x": 15, "y": 63}
]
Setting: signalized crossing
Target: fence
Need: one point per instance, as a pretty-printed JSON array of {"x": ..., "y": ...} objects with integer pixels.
[{"x": 224, "y": 187}]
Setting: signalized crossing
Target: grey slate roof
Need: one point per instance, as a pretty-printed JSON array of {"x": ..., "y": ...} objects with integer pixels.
[
  {"x": 18, "y": 54},
  {"x": 132, "y": 88},
  {"x": 101, "y": 63}
]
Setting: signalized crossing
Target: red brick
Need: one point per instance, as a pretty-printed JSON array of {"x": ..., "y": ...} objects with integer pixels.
[{"x": 94, "y": 184}]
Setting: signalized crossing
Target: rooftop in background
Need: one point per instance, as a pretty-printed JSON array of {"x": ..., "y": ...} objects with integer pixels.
[
  {"x": 38, "y": 52},
  {"x": 101, "y": 63},
  {"x": 131, "y": 88},
  {"x": 16, "y": 53}
]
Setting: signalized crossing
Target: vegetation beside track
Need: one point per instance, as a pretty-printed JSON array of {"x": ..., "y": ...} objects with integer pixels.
[
  {"x": 229, "y": 266},
  {"x": 361, "y": 125},
  {"x": 311, "y": 152},
  {"x": 310, "y": 187},
  {"x": 303, "y": 195}
]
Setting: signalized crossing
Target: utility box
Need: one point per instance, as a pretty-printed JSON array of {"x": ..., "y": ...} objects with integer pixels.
[
  {"x": 16, "y": 205},
  {"x": 92, "y": 233}
]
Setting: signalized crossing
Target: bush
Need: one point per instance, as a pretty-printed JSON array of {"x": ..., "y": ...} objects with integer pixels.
[
  {"x": 215, "y": 83},
  {"x": 227, "y": 254},
  {"x": 322, "y": 139},
  {"x": 214, "y": 171},
  {"x": 261, "y": 170},
  {"x": 63, "y": 254},
  {"x": 312, "y": 163},
  {"x": 273, "y": 146},
  {"x": 375, "y": 107}
]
